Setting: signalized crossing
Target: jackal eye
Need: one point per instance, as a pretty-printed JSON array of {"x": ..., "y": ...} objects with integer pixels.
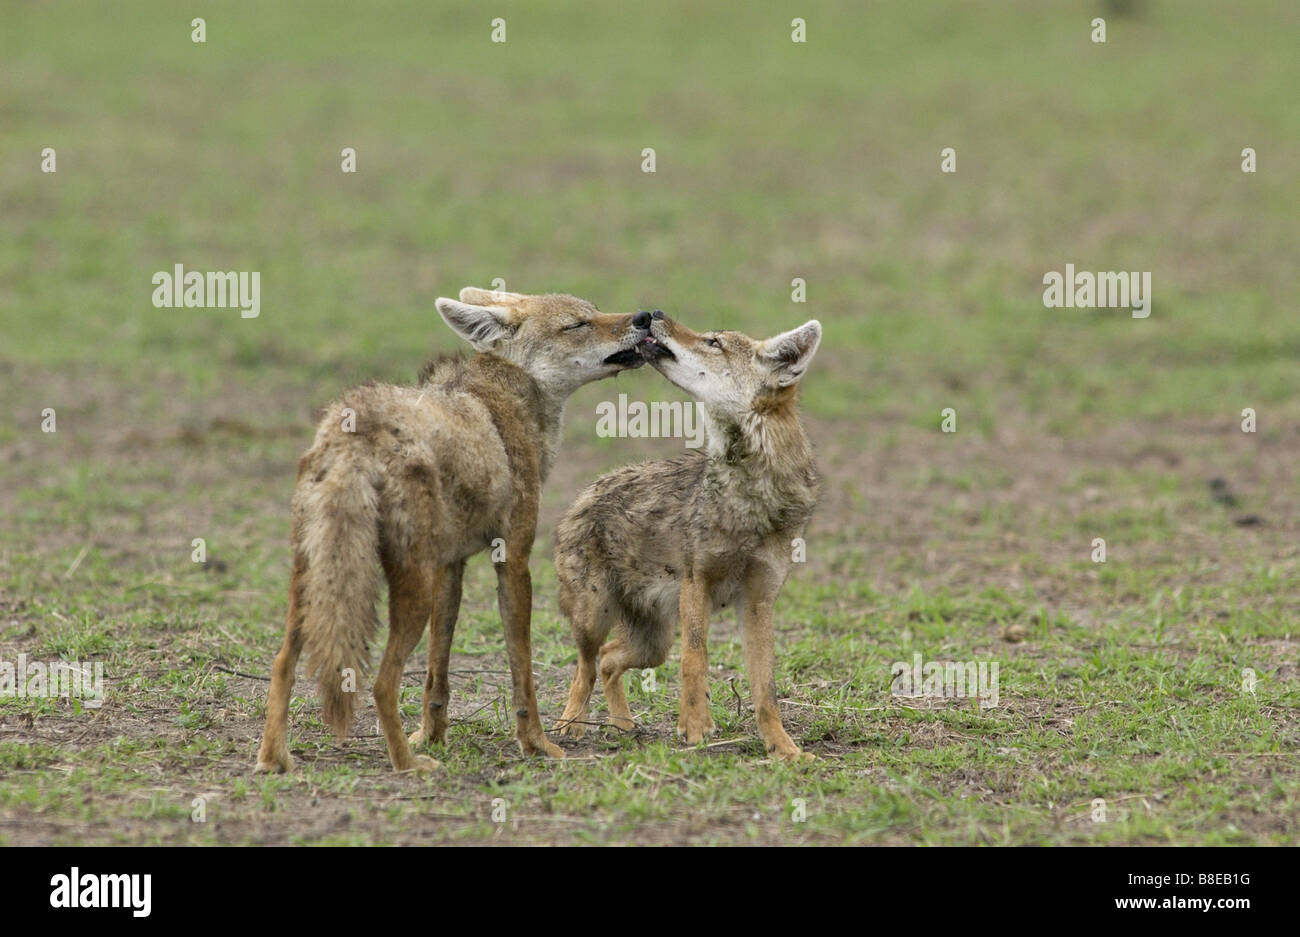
[{"x": 574, "y": 325}]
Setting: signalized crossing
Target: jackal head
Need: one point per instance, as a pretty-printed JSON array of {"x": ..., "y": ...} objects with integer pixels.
[
  {"x": 730, "y": 373},
  {"x": 561, "y": 341}
]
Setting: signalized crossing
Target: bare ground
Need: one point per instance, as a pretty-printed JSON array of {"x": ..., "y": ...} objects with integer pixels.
[{"x": 904, "y": 508}]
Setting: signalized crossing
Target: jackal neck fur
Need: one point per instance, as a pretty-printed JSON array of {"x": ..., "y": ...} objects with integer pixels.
[
  {"x": 512, "y": 396},
  {"x": 760, "y": 466}
]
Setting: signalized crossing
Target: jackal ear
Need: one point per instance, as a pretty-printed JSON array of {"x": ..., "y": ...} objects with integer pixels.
[
  {"x": 481, "y": 326},
  {"x": 479, "y": 297},
  {"x": 788, "y": 355}
]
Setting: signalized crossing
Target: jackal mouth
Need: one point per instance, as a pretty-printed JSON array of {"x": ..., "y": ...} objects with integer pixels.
[
  {"x": 652, "y": 349},
  {"x": 627, "y": 358}
]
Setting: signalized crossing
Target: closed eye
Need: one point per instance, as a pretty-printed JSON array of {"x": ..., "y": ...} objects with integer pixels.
[
  {"x": 574, "y": 325},
  {"x": 713, "y": 341}
]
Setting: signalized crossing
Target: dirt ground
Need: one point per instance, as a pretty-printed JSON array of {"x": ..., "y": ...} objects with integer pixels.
[{"x": 904, "y": 509}]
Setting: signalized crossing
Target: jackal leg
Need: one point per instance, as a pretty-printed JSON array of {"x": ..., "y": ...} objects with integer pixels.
[
  {"x": 410, "y": 602},
  {"x": 762, "y": 586},
  {"x": 442, "y": 626},
  {"x": 273, "y": 755},
  {"x": 515, "y": 599},
  {"x": 616, "y": 658},
  {"x": 590, "y": 625},
  {"x": 694, "y": 721},
  {"x": 584, "y": 681}
]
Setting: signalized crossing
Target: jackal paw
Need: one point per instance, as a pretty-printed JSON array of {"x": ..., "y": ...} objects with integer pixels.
[
  {"x": 279, "y": 762},
  {"x": 570, "y": 726},
  {"x": 793, "y": 756},
  {"x": 419, "y": 737},
  {"x": 695, "y": 727},
  {"x": 542, "y": 747},
  {"x": 624, "y": 723},
  {"x": 423, "y": 764}
]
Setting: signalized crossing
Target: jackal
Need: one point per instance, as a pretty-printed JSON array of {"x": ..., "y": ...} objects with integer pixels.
[
  {"x": 414, "y": 480},
  {"x": 649, "y": 544}
]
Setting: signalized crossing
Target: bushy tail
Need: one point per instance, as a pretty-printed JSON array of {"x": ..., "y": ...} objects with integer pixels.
[{"x": 336, "y": 530}]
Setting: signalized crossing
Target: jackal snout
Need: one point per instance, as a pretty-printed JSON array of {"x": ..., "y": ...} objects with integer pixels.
[{"x": 650, "y": 346}]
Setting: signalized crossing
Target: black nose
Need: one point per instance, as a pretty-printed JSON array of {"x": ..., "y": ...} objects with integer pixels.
[
  {"x": 641, "y": 320},
  {"x": 658, "y": 314}
]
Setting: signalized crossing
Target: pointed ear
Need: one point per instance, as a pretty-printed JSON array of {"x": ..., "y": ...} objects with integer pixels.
[
  {"x": 481, "y": 326},
  {"x": 788, "y": 355},
  {"x": 477, "y": 297}
]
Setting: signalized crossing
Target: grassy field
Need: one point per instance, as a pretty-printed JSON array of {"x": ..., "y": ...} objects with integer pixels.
[{"x": 1120, "y": 681}]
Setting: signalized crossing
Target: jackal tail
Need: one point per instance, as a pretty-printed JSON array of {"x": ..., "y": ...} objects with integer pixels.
[{"x": 337, "y": 532}]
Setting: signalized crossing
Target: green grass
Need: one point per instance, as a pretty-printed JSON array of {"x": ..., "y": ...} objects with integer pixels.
[{"x": 1120, "y": 681}]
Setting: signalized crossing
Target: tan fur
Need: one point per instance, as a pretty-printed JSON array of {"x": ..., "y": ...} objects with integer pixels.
[
  {"x": 429, "y": 476},
  {"x": 650, "y": 545}
]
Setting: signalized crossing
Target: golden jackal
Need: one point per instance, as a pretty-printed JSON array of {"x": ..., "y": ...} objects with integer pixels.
[
  {"x": 648, "y": 544},
  {"x": 417, "y": 479}
]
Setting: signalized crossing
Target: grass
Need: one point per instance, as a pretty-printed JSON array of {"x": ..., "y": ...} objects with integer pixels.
[{"x": 1120, "y": 681}]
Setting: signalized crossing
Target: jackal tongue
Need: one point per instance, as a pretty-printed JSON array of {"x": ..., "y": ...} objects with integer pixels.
[{"x": 651, "y": 349}]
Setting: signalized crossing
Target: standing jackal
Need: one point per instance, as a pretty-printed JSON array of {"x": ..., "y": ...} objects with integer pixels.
[
  {"x": 414, "y": 480},
  {"x": 648, "y": 544}
]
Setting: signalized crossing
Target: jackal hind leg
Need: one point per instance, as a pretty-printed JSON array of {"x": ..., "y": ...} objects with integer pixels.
[
  {"x": 273, "y": 755},
  {"x": 616, "y": 659},
  {"x": 410, "y": 603},
  {"x": 640, "y": 642},
  {"x": 591, "y": 619},
  {"x": 442, "y": 627}
]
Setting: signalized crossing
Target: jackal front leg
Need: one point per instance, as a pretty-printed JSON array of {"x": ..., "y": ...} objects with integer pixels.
[
  {"x": 762, "y": 585},
  {"x": 515, "y": 599},
  {"x": 694, "y": 721}
]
